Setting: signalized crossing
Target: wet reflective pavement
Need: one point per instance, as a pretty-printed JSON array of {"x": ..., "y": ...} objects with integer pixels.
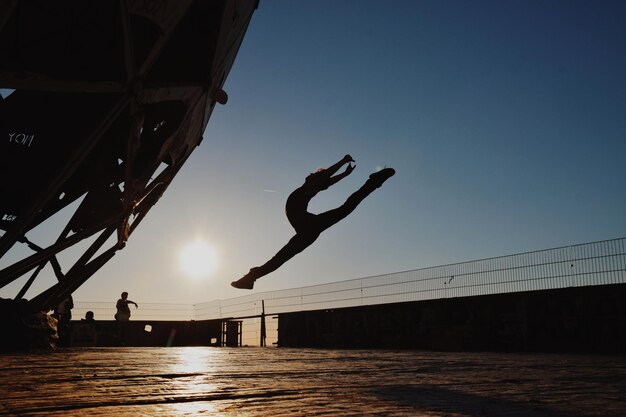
[{"x": 306, "y": 382}]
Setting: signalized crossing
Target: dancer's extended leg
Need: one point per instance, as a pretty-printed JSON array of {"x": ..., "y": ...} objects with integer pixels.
[
  {"x": 295, "y": 245},
  {"x": 331, "y": 217}
]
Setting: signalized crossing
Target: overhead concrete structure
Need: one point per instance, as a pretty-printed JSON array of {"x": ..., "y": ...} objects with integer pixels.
[{"x": 110, "y": 99}]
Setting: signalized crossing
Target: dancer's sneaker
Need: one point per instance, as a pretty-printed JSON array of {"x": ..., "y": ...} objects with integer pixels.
[
  {"x": 247, "y": 281},
  {"x": 378, "y": 178}
]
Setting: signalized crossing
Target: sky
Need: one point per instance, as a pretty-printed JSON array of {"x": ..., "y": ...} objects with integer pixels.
[{"x": 504, "y": 120}]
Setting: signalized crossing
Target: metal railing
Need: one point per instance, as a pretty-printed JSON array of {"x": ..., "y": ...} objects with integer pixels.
[
  {"x": 597, "y": 263},
  {"x": 146, "y": 311}
]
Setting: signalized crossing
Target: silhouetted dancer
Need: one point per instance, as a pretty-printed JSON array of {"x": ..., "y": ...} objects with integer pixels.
[{"x": 308, "y": 225}]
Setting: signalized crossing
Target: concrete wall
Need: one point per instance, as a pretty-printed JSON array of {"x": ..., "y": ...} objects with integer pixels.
[
  {"x": 582, "y": 319},
  {"x": 134, "y": 333}
]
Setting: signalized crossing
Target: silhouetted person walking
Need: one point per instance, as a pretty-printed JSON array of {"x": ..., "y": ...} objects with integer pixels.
[{"x": 309, "y": 226}]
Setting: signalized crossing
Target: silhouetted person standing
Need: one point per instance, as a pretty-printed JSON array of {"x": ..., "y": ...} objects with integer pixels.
[
  {"x": 123, "y": 314},
  {"x": 123, "y": 311},
  {"x": 309, "y": 226},
  {"x": 63, "y": 313}
]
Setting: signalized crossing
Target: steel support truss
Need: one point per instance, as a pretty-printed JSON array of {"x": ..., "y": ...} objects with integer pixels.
[{"x": 174, "y": 55}]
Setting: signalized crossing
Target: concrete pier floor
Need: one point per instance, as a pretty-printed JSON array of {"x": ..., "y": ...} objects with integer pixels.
[{"x": 306, "y": 382}]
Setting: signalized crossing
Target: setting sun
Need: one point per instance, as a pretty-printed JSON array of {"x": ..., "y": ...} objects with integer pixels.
[{"x": 197, "y": 259}]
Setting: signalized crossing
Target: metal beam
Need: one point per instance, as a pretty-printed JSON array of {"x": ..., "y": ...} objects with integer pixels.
[
  {"x": 11, "y": 273},
  {"x": 78, "y": 274},
  {"x": 20, "y": 227}
]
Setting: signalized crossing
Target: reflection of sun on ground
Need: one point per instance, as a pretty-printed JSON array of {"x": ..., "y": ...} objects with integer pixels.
[
  {"x": 191, "y": 360},
  {"x": 197, "y": 259},
  {"x": 192, "y": 370}
]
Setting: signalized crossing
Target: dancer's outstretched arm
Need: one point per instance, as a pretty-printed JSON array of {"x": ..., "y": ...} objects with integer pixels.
[
  {"x": 331, "y": 170},
  {"x": 339, "y": 177}
]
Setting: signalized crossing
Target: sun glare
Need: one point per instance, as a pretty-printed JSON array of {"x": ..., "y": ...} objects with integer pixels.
[{"x": 198, "y": 259}]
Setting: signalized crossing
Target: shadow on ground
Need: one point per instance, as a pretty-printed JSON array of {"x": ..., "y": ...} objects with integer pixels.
[{"x": 442, "y": 400}]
